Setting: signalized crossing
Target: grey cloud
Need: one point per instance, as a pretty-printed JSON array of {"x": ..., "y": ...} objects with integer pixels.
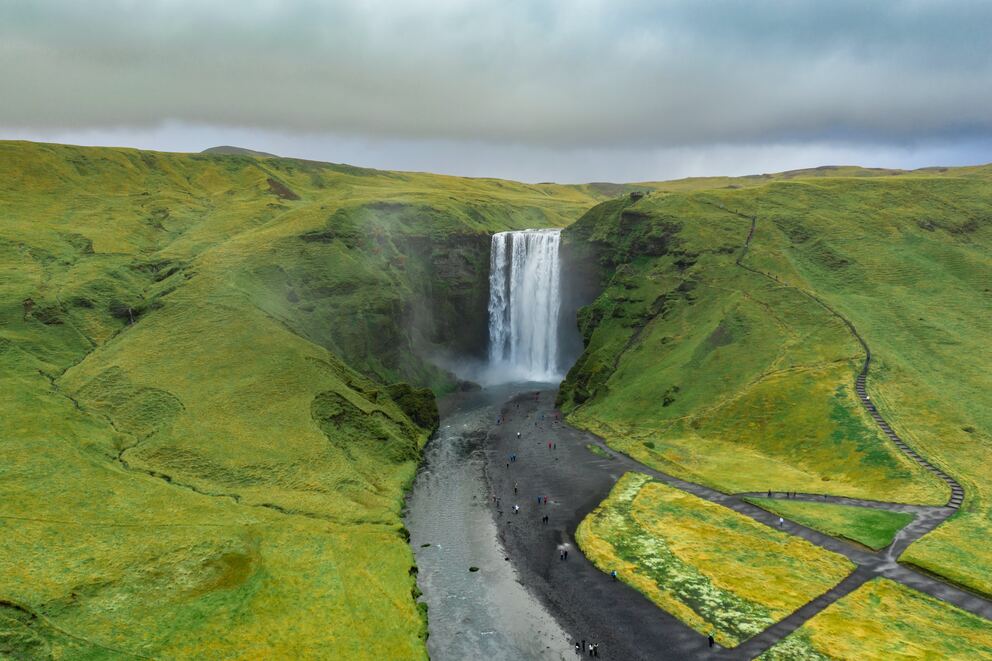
[{"x": 565, "y": 74}]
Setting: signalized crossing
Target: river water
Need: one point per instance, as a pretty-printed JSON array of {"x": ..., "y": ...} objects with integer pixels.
[{"x": 485, "y": 614}]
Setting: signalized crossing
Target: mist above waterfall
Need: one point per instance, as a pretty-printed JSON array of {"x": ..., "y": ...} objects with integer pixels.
[{"x": 524, "y": 306}]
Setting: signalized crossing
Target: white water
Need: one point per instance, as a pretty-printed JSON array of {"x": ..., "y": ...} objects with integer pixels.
[{"x": 524, "y": 303}]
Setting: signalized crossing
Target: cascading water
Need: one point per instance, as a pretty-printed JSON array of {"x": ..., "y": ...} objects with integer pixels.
[{"x": 524, "y": 304}]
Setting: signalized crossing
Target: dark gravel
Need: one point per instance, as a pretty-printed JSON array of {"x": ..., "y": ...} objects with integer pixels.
[{"x": 589, "y": 604}]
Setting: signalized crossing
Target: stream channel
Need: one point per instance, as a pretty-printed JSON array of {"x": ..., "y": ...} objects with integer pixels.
[{"x": 484, "y": 614}]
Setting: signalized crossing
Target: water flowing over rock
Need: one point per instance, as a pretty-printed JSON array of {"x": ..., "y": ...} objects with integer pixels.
[{"x": 524, "y": 305}]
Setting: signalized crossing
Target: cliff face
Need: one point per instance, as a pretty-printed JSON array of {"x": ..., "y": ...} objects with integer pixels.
[
  {"x": 598, "y": 252},
  {"x": 450, "y": 303},
  {"x": 586, "y": 267},
  {"x": 393, "y": 299}
]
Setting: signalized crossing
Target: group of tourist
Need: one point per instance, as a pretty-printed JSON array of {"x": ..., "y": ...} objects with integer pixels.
[
  {"x": 581, "y": 646},
  {"x": 593, "y": 648}
]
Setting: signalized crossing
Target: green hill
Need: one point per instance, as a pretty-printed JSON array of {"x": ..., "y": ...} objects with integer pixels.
[
  {"x": 726, "y": 376},
  {"x": 230, "y": 150},
  {"x": 206, "y": 434},
  {"x": 216, "y": 373}
]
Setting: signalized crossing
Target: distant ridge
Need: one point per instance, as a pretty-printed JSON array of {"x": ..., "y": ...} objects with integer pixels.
[{"x": 229, "y": 150}]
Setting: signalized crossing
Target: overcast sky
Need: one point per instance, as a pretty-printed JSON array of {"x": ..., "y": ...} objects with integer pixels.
[{"x": 565, "y": 90}]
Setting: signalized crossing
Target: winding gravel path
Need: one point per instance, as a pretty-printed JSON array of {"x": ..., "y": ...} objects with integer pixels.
[{"x": 957, "y": 492}]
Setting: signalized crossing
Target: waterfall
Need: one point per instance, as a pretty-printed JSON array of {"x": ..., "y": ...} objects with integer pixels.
[{"x": 524, "y": 303}]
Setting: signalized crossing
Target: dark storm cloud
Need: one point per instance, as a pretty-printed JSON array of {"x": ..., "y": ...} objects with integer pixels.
[{"x": 563, "y": 74}]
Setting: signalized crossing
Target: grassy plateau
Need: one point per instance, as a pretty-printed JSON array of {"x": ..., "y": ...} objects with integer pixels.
[{"x": 717, "y": 570}]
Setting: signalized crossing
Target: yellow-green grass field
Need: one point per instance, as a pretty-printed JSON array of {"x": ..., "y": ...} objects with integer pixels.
[
  {"x": 884, "y": 620},
  {"x": 717, "y": 374},
  {"x": 716, "y": 570},
  {"x": 869, "y": 527},
  {"x": 205, "y": 436}
]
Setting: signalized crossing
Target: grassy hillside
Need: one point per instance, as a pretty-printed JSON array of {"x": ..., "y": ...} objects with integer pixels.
[
  {"x": 722, "y": 375},
  {"x": 205, "y": 434}
]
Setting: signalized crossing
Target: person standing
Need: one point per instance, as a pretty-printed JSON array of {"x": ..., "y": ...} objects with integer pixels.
[{"x": 710, "y": 640}]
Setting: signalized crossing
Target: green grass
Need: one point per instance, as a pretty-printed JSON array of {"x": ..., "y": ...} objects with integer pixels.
[
  {"x": 870, "y": 527},
  {"x": 886, "y": 620},
  {"x": 205, "y": 445},
  {"x": 717, "y": 374},
  {"x": 736, "y": 381},
  {"x": 201, "y": 360},
  {"x": 715, "y": 569},
  {"x": 598, "y": 451}
]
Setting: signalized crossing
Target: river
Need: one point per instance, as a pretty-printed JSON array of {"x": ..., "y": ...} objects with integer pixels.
[{"x": 486, "y": 614}]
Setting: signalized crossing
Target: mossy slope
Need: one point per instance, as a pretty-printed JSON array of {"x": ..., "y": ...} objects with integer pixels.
[{"x": 205, "y": 432}]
